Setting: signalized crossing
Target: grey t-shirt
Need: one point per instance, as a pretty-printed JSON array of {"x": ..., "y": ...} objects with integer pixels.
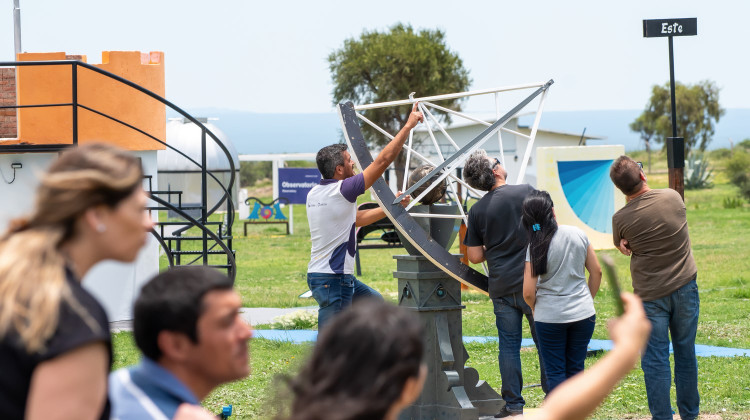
[{"x": 562, "y": 293}]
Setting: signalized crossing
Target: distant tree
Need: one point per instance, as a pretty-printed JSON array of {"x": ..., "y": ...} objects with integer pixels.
[
  {"x": 251, "y": 172},
  {"x": 738, "y": 171},
  {"x": 385, "y": 66},
  {"x": 647, "y": 133},
  {"x": 697, "y": 112}
]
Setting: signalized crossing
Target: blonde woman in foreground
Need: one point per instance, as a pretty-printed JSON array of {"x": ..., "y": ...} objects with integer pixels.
[{"x": 55, "y": 346}]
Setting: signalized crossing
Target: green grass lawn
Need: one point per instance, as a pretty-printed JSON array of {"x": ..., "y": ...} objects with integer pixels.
[{"x": 272, "y": 273}]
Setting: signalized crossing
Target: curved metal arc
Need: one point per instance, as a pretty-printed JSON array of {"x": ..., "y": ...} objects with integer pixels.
[
  {"x": 165, "y": 102},
  {"x": 226, "y": 195},
  {"x": 230, "y": 205},
  {"x": 401, "y": 219}
]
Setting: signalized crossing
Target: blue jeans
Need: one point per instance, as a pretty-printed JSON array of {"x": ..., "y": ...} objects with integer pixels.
[
  {"x": 509, "y": 311},
  {"x": 563, "y": 347},
  {"x": 335, "y": 292},
  {"x": 676, "y": 314}
]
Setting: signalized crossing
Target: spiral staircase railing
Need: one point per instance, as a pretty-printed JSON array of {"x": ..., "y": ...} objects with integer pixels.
[{"x": 172, "y": 243}]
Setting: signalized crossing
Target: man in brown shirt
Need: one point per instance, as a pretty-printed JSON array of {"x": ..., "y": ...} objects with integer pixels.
[{"x": 652, "y": 230}]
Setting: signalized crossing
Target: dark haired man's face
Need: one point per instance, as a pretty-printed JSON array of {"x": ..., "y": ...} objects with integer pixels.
[
  {"x": 221, "y": 353},
  {"x": 348, "y": 164}
]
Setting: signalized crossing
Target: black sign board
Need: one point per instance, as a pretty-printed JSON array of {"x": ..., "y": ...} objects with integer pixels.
[{"x": 653, "y": 28}]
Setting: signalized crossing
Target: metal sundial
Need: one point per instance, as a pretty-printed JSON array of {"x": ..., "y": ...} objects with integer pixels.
[{"x": 445, "y": 168}]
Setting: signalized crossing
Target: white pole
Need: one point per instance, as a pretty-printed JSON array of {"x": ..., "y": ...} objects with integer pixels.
[
  {"x": 275, "y": 177},
  {"x": 291, "y": 219},
  {"x": 530, "y": 145},
  {"x": 17, "y": 27},
  {"x": 499, "y": 133},
  {"x": 432, "y": 135},
  {"x": 444, "y": 97}
]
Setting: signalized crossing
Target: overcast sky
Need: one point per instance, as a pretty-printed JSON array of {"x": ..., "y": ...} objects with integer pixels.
[{"x": 271, "y": 56}]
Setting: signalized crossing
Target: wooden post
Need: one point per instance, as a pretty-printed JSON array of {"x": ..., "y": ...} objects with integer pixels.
[
  {"x": 463, "y": 249},
  {"x": 676, "y": 163},
  {"x": 462, "y": 230}
]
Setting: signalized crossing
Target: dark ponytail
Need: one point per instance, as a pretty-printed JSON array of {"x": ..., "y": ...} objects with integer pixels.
[{"x": 540, "y": 224}]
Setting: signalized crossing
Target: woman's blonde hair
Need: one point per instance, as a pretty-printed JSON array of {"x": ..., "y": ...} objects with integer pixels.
[{"x": 32, "y": 267}]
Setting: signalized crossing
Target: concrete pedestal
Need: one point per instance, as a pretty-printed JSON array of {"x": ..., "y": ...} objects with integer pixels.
[{"x": 452, "y": 391}]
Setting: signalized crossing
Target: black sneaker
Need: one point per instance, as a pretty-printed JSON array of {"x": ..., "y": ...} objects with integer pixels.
[{"x": 507, "y": 413}]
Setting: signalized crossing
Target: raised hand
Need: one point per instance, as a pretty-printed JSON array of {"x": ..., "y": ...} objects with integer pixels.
[{"x": 415, "y": 117}]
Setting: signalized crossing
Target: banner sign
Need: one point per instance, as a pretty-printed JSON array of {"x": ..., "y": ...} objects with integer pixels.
[
  {"x": 295, "y": 183},
  {"x": 653, "y": 28}
]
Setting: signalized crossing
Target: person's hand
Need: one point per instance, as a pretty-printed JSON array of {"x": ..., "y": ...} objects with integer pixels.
[
  {"x": 632, "y": 328},
  {"x": 415, "y": 117},
  {"x": 624, "y": 247},
  {"x": 405, "y": 201},
  {"x": 192, "y": 412}
]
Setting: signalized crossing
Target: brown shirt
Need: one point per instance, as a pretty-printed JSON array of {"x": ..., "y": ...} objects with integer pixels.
[{"x": 655, "y": 226}]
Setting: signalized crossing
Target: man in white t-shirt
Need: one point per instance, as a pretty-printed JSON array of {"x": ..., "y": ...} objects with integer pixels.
[{"x": 333, "y": 217}]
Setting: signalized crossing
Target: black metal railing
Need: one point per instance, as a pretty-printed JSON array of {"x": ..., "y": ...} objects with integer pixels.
[{"x": 175, "y": 239}]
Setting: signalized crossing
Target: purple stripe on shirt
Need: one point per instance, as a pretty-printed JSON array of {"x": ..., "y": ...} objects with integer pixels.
[{"x": 353, "y": 187}]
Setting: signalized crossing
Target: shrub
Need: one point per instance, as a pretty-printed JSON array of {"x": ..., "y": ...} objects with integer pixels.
[
  {"x": 738, "y": 171},
  {"x": 732, "y": 202},
  {"x": 697, "y": 174},
  {"x": 297, "y": 320}
]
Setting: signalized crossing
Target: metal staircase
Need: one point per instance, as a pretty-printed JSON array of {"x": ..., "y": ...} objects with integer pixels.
[{"x": 185, "y": 239}]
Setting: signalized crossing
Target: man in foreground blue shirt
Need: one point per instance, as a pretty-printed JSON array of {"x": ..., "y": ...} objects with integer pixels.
[{"x": 187, "y": 325}]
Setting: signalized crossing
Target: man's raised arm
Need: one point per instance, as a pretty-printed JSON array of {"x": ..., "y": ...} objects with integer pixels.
[{"x": 391, "y": 150}]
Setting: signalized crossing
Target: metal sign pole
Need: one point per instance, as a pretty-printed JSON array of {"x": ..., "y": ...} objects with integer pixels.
[
  {"x": 675, "y": 144},
  {"x": 672, "y": 87},
  {"x": 656, "y": 28}
]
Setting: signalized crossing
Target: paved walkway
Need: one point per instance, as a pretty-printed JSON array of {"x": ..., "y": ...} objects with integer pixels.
[
  {"x": 254, "y": 316},
  {"x": 305, "y": 336},
  {"x": 262, "y": 316}
]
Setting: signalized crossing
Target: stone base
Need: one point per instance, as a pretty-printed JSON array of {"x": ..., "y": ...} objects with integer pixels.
[{"x": 451, "y": 390}]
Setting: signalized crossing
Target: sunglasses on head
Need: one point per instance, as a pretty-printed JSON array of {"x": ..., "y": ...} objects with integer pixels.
[
  {"x": 640, "y": 164},
  {"x": 497, "y": 162}
]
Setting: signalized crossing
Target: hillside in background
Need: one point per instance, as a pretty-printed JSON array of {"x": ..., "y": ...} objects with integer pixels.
[{"x": 296, "y": 133}]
